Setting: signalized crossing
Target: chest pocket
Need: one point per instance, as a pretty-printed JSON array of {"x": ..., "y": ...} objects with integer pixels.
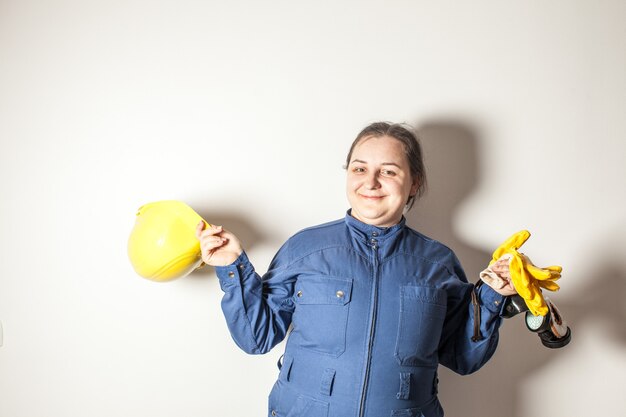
[
  {"x": 321, "y": 316},
  {"x": 422, "y": 314}
]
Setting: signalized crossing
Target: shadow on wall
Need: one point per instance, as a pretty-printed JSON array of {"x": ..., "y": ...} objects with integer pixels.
[{"x": 451, "y": 157}]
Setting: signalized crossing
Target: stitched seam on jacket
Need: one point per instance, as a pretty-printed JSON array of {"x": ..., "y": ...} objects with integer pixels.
[
  {"x": 412, "y": 255},
  {"x": 317, "y": 250}
]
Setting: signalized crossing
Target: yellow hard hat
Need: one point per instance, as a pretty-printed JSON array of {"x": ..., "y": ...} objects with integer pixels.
[{"x": 163, "y": 245}]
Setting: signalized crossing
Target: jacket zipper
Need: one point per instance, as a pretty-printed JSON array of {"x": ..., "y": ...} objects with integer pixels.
[{"x": 374, "y": 245}]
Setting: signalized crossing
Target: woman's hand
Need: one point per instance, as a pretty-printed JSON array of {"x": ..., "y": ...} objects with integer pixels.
[
  {"x": 219, "y": 247},
  {"x": 501, "y": 268}
]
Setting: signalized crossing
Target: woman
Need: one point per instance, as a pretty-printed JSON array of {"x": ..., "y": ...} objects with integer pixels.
[{"x": 374, "y": 305}]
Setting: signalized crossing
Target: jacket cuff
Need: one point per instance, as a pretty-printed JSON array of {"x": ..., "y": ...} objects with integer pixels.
[
  {"x": 231, "y": 275},
  {"x": 490, "y": 299}
]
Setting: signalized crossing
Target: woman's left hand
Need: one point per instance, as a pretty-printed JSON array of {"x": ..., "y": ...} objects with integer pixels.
[{"x": 501, "y": 268}]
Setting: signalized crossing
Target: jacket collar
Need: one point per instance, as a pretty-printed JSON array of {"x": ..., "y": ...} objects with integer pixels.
[{"x": 367, "y": 232}]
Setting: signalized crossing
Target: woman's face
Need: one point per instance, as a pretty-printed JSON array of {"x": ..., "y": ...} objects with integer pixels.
[{"x": 379, "y": 181}]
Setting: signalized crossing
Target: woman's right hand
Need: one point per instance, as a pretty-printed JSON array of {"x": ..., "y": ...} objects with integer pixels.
[{"x": 219, "y": 247}]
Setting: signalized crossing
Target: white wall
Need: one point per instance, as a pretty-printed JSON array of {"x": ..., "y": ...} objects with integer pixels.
[{"x": 245, "y": 110}]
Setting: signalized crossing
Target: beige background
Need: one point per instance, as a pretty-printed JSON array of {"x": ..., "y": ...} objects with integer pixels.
[{"x": 245, "y": 110}]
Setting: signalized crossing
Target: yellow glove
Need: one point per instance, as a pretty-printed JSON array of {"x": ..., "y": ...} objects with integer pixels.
[{"x": 527, "y": 278}]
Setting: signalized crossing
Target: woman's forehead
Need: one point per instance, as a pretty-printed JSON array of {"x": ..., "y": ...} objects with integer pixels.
[{"x": 380, "y": 149}]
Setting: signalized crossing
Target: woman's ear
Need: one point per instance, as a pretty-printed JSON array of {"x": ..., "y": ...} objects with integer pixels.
[{"x": 414, "y": 187}]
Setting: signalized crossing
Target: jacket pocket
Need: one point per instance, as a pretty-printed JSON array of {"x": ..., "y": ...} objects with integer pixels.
[
  {"x": 308, "y": 407},
  {"x": 321, "y": 315},
  {"x": 422, "y": 314}
]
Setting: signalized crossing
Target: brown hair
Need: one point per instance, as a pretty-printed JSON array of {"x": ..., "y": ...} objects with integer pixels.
[{"x": 412, "y": 150}]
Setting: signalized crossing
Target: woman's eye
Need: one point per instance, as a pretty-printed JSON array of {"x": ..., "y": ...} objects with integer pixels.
[
  {"x": 358, "y": 170},
  {"x": 388, "y": 173}
]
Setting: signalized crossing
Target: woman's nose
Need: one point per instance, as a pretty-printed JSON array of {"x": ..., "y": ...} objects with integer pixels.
[{"x": 371, "y": 182}]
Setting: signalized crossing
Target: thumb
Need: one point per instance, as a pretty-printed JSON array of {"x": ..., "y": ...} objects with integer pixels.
[{"x": 199, "y": 228}]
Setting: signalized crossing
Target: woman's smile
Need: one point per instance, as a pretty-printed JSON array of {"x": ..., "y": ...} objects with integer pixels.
[{"x": 372, "y": 197}]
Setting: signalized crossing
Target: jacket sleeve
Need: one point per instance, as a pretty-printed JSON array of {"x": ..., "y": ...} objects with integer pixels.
[
  {"x": 457, "y": 350},
  {"x": 257, "y": 310}
]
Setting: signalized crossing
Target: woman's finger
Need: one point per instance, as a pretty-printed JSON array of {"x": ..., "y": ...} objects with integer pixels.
[
  {"x": 213, "y": 241},
  {"x": 200, "y": 228},
  {"x": 209, "y": 232},
  {"x": 212, "y": 245}
]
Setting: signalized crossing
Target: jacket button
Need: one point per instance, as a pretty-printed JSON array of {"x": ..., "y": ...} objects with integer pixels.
[
  {"x": 299, "y": 294},
  {"x": 231, "y": 274},
  {"x": 340, "y": 294},
  {"x": 273, "y": 412}
]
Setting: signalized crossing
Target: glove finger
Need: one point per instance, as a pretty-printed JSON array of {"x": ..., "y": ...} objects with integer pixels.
[
  {"x": 551, "y": 272},
  {"x": 555, "y": 272},
  {"x": 549, "y": 285},
  {"x": 537, "y": 272},
  {"x": 554, "y": 275},
  {"x": 534, "y": 270},
  {"x": 555, "y": 268},
  {"x": 512, "y": 243},
  {"x": 517, "y": 239}
]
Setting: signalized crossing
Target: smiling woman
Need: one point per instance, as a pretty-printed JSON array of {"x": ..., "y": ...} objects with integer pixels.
[
  {"x": 374, "y": 306},
  {"x": 385, "y": 173}
]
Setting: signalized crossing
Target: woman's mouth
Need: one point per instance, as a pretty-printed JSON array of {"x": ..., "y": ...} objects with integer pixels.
[{"x": 371, "y": 197}]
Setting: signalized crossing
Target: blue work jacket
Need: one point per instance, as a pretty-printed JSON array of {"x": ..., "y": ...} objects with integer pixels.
[{"x": 373, "y": 312}]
